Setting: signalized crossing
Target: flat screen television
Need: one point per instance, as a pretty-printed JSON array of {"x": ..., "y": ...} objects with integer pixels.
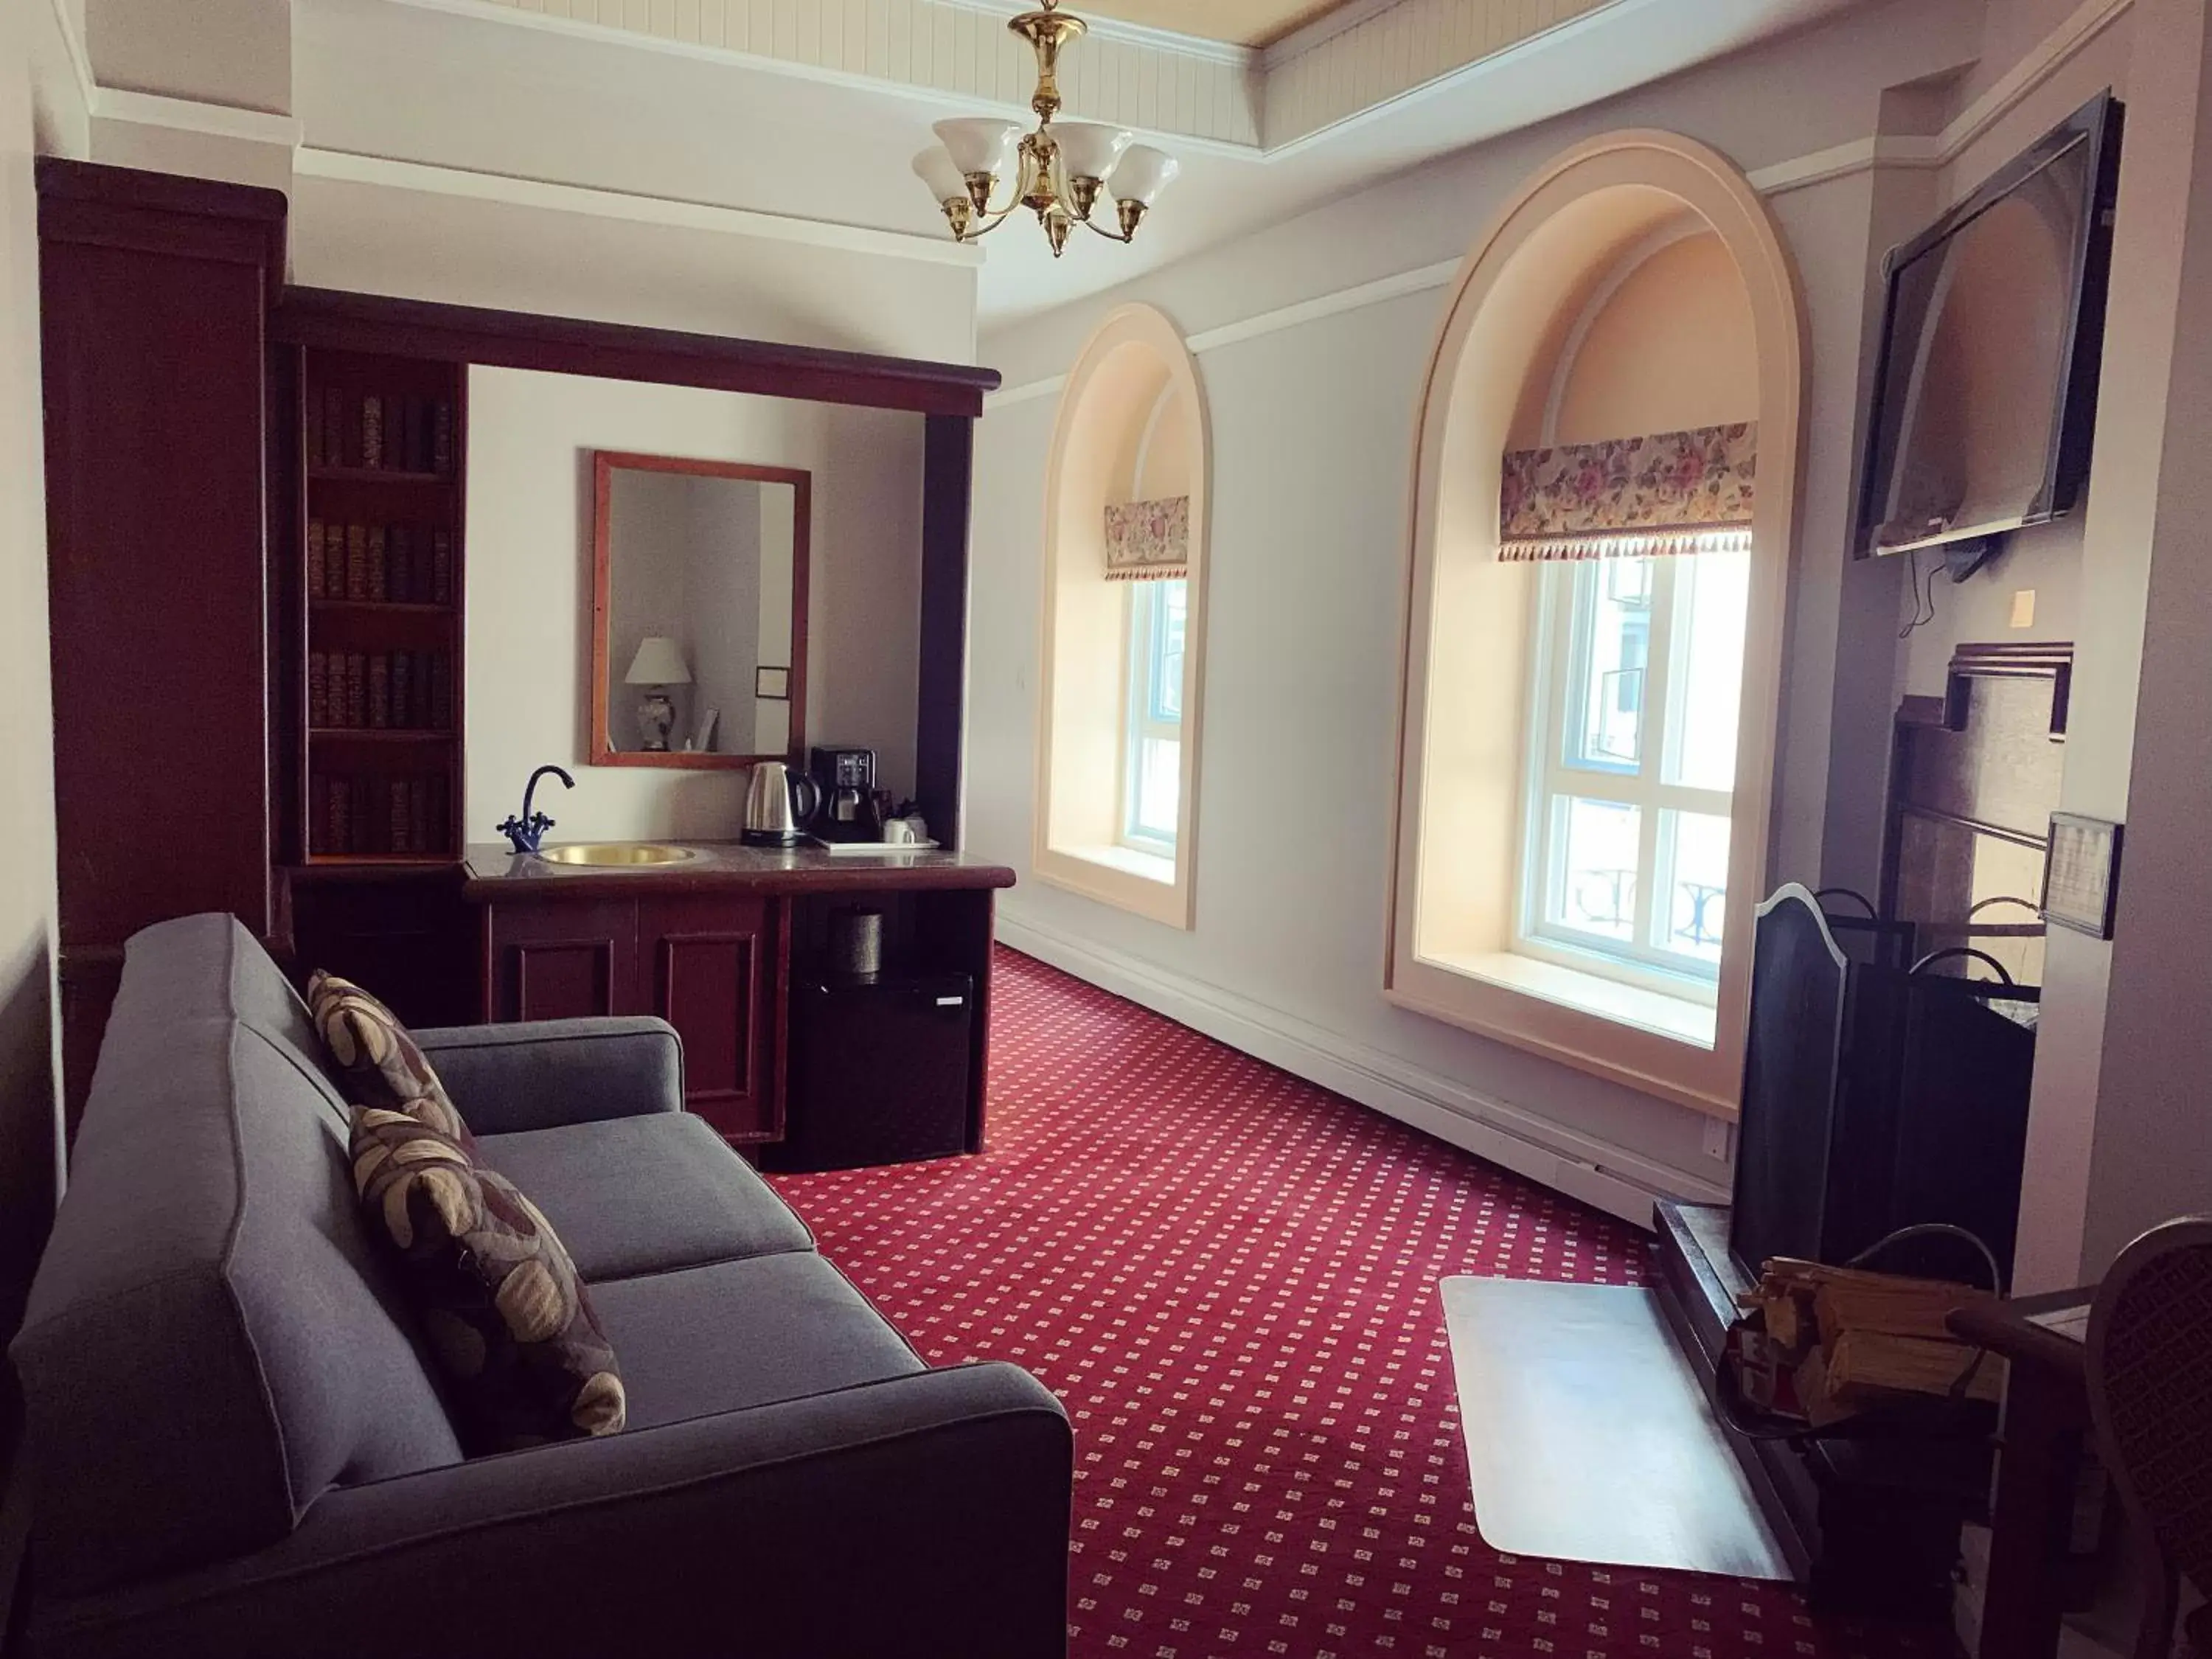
[{"x": 1985, "y": 390}]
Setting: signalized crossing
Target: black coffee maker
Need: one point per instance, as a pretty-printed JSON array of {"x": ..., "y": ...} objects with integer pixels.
[{"x": 848, "y": 810}]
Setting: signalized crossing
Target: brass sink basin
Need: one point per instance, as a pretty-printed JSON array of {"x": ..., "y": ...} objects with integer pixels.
[{"x": 616, "y": 854}]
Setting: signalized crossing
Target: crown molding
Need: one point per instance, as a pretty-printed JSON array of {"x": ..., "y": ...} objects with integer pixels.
[
  {"x": 346, "y": 167},
  {"x": 1934, "y": 151},
  {"x": 953, "y": 52},
  {"x": 147, "y": 109},
  {"x": 1139, "y": 34},
  {"x": 2049, "y": 55},
  {"x": 80, "y": 60}
]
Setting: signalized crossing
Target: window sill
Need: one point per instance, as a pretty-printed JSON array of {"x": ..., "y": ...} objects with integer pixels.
[
  {"x": 1127, "y": 859},
  {"x": 1676, "y": 1017},
  {"x": 1143, "y": 884}
]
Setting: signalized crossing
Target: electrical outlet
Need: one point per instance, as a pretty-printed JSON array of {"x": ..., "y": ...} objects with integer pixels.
[
  {"x": 2023, "y": 607},
  {"x": 1719, "y": 1140}
]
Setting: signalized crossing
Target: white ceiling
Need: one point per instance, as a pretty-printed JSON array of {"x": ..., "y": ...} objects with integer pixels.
[{"x": 485, "y": 86}]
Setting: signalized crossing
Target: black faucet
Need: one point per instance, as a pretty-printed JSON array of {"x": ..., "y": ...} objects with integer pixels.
[{"x": 524, "y": 833}]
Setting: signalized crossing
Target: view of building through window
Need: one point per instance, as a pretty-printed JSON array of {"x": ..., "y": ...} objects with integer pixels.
[
  {"x": 1151, "y": 768},
  {"x": 1639, "y": 664}
]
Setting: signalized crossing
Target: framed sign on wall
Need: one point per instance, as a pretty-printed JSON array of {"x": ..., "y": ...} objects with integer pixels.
[{"x": 2082, "y": 876}]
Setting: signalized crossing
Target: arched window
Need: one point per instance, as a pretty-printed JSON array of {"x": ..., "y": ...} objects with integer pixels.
[
  {"x": 1123, "y": 647},
  {"x": 1603, "y": 508}
]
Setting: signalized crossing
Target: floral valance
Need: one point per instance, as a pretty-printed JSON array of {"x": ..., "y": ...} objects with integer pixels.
[
  {"x": 1668, "y": 492},
  {"x": 1148, "y": 541}
]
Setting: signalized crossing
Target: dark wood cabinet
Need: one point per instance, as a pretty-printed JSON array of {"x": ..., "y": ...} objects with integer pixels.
[
  {"x": 710, "y": 967},
  {"x": 714, "y": 969},
  {"x": 154, "y": 292},
  {"x": 256, "y": 505},
  {"x": 714, "y": 947},
  {"x": 405, "y": 935},
  {"x": 563, "y": 961}
]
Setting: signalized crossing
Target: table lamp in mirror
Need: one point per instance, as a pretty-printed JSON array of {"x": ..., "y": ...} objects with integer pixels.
[
  {"x": 658, "y": 664},
  {"x": 698, "y": 611}
]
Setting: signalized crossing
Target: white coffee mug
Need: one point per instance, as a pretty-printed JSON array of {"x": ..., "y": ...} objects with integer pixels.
[{"x": 899, "y": 832}]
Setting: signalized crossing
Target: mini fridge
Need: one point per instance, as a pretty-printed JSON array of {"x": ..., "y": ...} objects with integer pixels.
[{"x": 877, "y": 1072}]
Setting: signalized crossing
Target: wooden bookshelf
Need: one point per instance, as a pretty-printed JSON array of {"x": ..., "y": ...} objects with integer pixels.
[{"x": 382, "y": 466}]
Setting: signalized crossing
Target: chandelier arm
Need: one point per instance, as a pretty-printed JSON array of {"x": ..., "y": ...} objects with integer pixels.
[
  {"x": 1110, "y": 235},
  {"x": 997, "y": 219}
]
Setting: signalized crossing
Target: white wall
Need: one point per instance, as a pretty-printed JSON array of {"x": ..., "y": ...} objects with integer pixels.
[
  {"x": 1312, "y": 427},
  {"x": 568, "y": 261},
  {"x": 40, "y": 108},
  {"x": 529, "y": 548}
]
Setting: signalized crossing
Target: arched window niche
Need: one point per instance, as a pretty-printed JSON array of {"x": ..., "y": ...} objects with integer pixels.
[
  {"x": 1122, "y": 654},
  {"x": 1636, "y": 285}
]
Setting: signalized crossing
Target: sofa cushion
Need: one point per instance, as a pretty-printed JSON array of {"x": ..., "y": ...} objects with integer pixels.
[
  {"x": 505, "y": 1313},
  {"x": 379, "y": 1063},
  {"x": 740, "y": 1333},
  {"x": 645, "y": 1194},
  {"x": 211, "y": 1341}
]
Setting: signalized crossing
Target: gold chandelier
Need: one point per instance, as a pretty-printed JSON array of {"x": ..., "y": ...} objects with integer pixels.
[{"x": 1061, "y": 173}]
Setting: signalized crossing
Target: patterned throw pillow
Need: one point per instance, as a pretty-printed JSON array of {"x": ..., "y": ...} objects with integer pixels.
[
  {"x": 508, "y": 1319},
  {"x": 383, "y": 1065}
]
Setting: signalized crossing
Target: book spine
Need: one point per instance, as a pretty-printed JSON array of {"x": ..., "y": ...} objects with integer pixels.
[
  {"x": 379, "y": 573},
  {"x": 442, "y": 693},
  {"x": 314, "y": 428},
  {"x": 372, "y": 431},
  {"x": 440, "y": 836},
  {"x": 316, "y": 569},
  {"x": 380, "y": 692},
  {"x": 418, "y": 815},
  {"x": 396, "y": 813},
  {"x": 318, "y": 689},
  {"x": 441, "y": 439},
  {"x": 403, "y": 690},
  {"x": 341, "y": 816},
  {"x": 441, "y": 567},
  {"x": 356, "y": 690},
  {"x": 401, "y": 563},
  {"x": 356, "y": 577}
]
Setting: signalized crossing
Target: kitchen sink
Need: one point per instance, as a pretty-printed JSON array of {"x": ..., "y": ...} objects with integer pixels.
[{"x": 616, "y": 854}]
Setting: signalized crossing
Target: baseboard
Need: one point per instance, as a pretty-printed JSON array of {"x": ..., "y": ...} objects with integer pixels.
[{"x": 1604, "y": 1176}]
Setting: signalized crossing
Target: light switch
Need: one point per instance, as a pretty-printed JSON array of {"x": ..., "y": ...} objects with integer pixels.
[{"x": 2023, "y": 607}]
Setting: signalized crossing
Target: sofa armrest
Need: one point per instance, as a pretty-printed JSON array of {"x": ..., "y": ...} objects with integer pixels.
[
  {"x": 925, "y": 1515},
  {"x": 551, "y": 1072}
]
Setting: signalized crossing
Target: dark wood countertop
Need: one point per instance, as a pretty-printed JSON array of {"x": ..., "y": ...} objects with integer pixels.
[{"x": 492, "y": 873}]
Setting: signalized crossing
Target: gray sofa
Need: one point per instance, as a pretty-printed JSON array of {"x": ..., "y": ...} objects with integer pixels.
[{"x": 237, "y": 1448}]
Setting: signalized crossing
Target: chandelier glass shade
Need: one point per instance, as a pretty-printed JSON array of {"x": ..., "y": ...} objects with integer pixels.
[{"x": 1063, "y": 172}]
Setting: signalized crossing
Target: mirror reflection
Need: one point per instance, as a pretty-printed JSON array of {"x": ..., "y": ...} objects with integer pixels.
[{"x": 699, "y": 650}]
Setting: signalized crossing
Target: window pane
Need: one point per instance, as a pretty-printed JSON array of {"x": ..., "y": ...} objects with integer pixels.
[
  {"x": 1156, "y": 788},
  {"x": 1165, "y": 675},
  {"x": 1614, "y": 634},
  {"x": 1597, "y": 874},
  {"x": 1714, "y": 590},
  {"x": 1696, "y": 907}
]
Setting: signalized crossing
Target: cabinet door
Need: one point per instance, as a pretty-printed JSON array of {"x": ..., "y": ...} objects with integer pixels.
[
  {"x": 562, "y": 961},
  {"x": 715, "y": 970}
]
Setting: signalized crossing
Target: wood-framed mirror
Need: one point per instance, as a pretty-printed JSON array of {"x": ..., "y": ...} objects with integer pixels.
[{"x": 698, "y": 611}]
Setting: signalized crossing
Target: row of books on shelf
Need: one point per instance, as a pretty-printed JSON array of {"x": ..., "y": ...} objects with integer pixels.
[
  {"x": 350, "y": 817},
  {"x": 378, "y": 431},
  {"x": 380, "y": 690},
  {"x": 404, "y": 563}
]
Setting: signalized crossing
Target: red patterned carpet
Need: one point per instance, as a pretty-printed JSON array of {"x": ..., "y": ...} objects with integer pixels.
[{"x": 1229, "y": 1277}]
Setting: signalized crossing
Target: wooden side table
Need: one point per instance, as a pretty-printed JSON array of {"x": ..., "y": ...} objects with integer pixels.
[{"x": 2046, "y": 1413}]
